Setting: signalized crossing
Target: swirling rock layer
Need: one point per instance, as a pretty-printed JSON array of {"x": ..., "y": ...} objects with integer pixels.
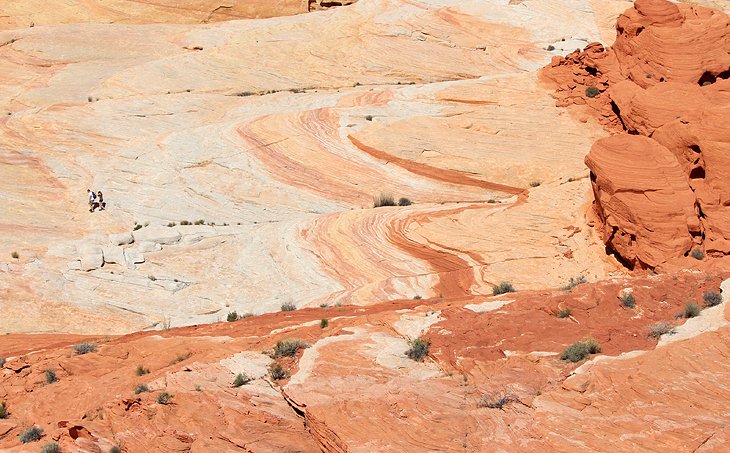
[{"x": 665, "y": 78}]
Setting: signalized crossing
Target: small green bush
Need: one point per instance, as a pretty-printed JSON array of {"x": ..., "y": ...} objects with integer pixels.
[
  {"x": 628, "y": 300},
  {"x": 51, "y": 447},
  {"x": 51, "y": 376},
  {"x": 288, "y": 306},
  {"x": 550, "y": 48},
  {"x": 171, "y": 224},
  {"x": 3, "y": 410},
  {"x": 141, "y": 388},
  {"x": 502, "y": 288},
  {"x": 277, "y": 372},
  {"x": 573, "y": 282},
  {"x": 563, "y": 313},
  {"x": 418, "y": 349},
  {"x": 185, "y": 222},
  {"x": 84, "y": 348},
  {"x": 289, "y": 347},
  {"x": 697, "y": 254},
  {"x": 31, "y": 434},
  {"x": 324, "y": 323},
  {"x": 15, "y": 255},
  {"x": 384, "y": 200},
  {"x": 232, "y": 316},
  {"x": 712, "y": 298},
  {"x": 369, "y": 117},
  {"x": 580, "y": 350},
  {"x": 141, "y": 371},
  {"x": 691, "y": 310},
  {"x": 660, "y": 328},
  {"x": 199, "y": 222},
  {"x": 163, "y": 398},
  {"x": 592, "y": 92},
  {"x": 417, "y": 297},
  {"x": 404, "y": 202},
  {"x": 241, "y": 379}
]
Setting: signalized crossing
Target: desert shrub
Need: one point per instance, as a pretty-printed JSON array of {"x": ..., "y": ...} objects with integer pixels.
[
  {"x": 712, "y": 298},
  {"x": 163, "y": 398},
  {"x": 535, "y": 184},
  {"x": 241, "y": 379},
  {"x": 171, "y": 224},
  {"x": 232, "y": 316},
  {"x": 660, "y": 328},
  {"x": 245, "y": 315},
  {"x": 691, "y": 310},
  {"x": 697, "y": 254},
  {"x": 491, "y": 200},
  {"x": 185, "y": 222},
  {"x": 324, "y": 323},
  {"x": 141, "y": 388},
  {"x": 580, "y": 350},
  {"x": 277, "y": 372},
  {"x": 502, "y": 288},
  {"x": 563, "y": 313},
  {"x": 84, "y": 348},
  {"x": 592, "y": 92},
  {"x": 51, "y": 377},
  {"x": 418, "y": 349},
  {"x": 496, "y": 401},
  {"x": 51, "y": 447},
  {"x": 199, "y": 222},
  {"x": 573, "y": 282},
  {"x": 2, "y": 361},
  {"x": 289, "y": 347},
  {"x": 31, "y": 434},
  {"x": 628, "y": 300},
  {"x": 404, "y": 202},
  {"x": 384, "y": 199},
  {"x": 3, "y": 410},
  {"x": 115, "y": 449},
  {"x": 181, "y": 358},
  {"x": 288, "y": 306},
  {"x": 141, "y": 371},
  {"x": 137, "y": 227},
  {"x": 369, "y": 117},
  {"x": 417, "y": 297},
  {"x": 15, "y": 255},
  {"x": 550, "y": 48}
]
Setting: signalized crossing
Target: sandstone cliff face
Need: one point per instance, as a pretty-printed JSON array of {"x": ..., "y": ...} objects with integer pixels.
[{"x": 661, "y": 187}]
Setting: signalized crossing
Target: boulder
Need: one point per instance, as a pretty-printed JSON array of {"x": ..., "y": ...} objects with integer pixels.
[
  {"x": 121, "y": 238},
  {"x": 133, "y": 257},
  {"x": 91, "y": 257},
  {"x": 114, "y": 255}
]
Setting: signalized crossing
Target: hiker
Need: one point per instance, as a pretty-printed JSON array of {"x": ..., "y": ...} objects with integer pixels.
[
  {"x": 100, "y": 200},
  {"x": 92, "y": 199}
]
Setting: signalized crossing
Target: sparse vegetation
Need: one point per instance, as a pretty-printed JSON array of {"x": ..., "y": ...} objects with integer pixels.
[
  {"x": 369, "y": 117},
  {"x": 592, "y": 92},
  {"x": 241, "y": 379},
  {"x": 51, "y": 376},
  {"x": 418, "y": 349},
  {"x": 563, "y": 313},
  {"x": 288, "y": 306},
  {"x": 697, "y": 254},
  {"x": 712, "y": 298},
  {"x": 115, "y": 449},
  {"x": 152, "y": 277},
  {"x": 289, "y": 347},
  {"x": 199, "y": 222},
  {"x": 245, "y": 315},
  {"x": 51, "y": 447},
  {"x": 15, "y": 255},
  {"x": 277, "y": 372},
  {"x": 384, "y": 199},
  {"x": 535, "y": 184},
  {"x": 141, "y": 388},
  {"x": 2, "y": 361},
  {"x": 404, "y": 202},
  {"x": 185, "y": 222},
  {"x": 660, "y": 328},
  {"x": 181, "y": 358},
  {"x": 550, "y": 48},
  {"x": 502, "y": 288},
  {"x": 171, "y": 224},
  {"x": 496, "y": 401},
  {"x": 84, "y": 348},
  {"x": 137, "y": 226},
  {"x": 163, "y": 398},
  {"x": 573, "y": 282},
  {"x": 324, "y": 323},
  {"x": 31, "y": 434},
  {"x": 580, "y": 350},
  {"x": 628, "y": 300},
  {"x": 3, "y": 410},
  {"x": 417, "y": 297},
  {"x": 691, "y": 310},
  {"x": 141, "y": 371},
  {"x": 232, "y": 316},
  {"x": 491, "y": 201}
]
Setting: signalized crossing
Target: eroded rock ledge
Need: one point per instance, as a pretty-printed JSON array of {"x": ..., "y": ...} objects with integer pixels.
[{"x": 661, "y": 183}]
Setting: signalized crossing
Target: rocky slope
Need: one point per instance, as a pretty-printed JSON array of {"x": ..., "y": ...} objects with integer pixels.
[{"x": 661, "y": 186}]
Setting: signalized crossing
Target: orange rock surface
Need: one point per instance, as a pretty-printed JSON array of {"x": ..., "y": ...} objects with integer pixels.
[{"x": 665, "y": 78}]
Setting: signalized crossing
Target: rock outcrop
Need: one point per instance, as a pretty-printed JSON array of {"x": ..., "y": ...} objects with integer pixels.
[{"x": 662, "y": 188}]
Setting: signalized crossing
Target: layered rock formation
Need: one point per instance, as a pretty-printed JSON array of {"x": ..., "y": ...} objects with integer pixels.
[{"x": 661, "y": 187}]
